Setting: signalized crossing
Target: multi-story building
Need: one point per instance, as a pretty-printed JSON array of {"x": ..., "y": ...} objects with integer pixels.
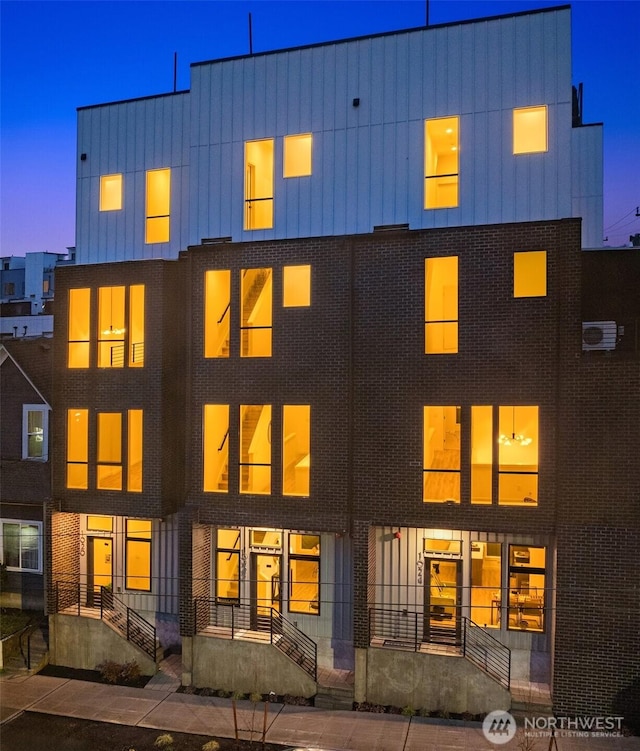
[{"x": 334, "y": 411}]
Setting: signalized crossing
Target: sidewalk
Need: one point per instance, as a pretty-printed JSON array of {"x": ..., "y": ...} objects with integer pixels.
[{"x": 287, "y": 724}]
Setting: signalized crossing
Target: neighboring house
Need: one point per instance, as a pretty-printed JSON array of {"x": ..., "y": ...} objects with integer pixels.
[{"x": 334, "y": 412}]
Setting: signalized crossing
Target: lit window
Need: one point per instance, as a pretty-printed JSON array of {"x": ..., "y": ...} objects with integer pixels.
[
  {"x": 228, "y": 565},
  {"x": 138, "y": 555},
  {"x": 296, "y": 448},
  {"x": 216, "y": 448},
  {"x": 296, "y": 283},
  {"x": 297, "y": 155},
  {"x": 100, "y": 523},
  {"x": 265, "y": 538},
  {"x": 110, "y": 192},
  {"x": 486, "y": 583},
  {"x": 35, "y": 419},
  {"x": 481, "y": 455},
  {"x": 441, "y": 305},
  {"x": 258, "y": 185},
  {"x": 21, "y": 546},
  {"x": 77, "y": 448},
  {"x": 256, "y": 313},
  {"x": 158, "y": 206},
  {"x": 441, "y": 160},
  {"x": 79, "y": 315},
  {"x": 136, "y": 326},
  {"x": 530, "y": 130},
  {"x": 441, "y": 462},
  {"x": 217, "y": 313},
  {"x": 134, "y": 451},
  {"x": 111, "y": 327},
  {"x": 527, "y": 581},
  {"x": 255, "y": 448},
  {"x": 109, "y": 469},
  {"x": 518, "y": 456},
  {"x": 530, "y": 274},
  {"x": 304, "y": 568}
]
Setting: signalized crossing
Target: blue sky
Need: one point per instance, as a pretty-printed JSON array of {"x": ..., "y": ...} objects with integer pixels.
[{"x": 57, "y": 55}]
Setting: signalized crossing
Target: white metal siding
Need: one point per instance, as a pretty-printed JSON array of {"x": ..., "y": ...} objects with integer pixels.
[{"x": 587, "y": 182}]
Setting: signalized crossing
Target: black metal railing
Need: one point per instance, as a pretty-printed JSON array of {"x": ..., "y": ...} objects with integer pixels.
[
  {"x": 294, "y": 643},
  {"x": 486, "y": 652}
]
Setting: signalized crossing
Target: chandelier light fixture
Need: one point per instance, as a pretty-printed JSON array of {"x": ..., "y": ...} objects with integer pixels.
[{"x": 515, "y": 438}]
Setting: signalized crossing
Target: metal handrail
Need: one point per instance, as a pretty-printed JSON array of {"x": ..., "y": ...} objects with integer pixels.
[{"x": 486, "y": 652}]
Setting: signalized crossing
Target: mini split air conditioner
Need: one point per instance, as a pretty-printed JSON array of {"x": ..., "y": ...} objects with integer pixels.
[{"x": 599, "y": 335}]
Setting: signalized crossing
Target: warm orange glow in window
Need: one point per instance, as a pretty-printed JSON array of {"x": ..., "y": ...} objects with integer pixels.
[
  {"x": 228, "y": 564},
  {"x": 530, "y": 274},
  {"x": 441, "y": 461},
  {"x": 111, "y": 327},
  {"x": 78, "y": 448},
  {"x": 255, "y": 448},
  {"x": 296, "y": 449},
  {"x": 486, "y": 583},
  {"x": 100, "y": 523},
  {"x": 158, "y": 206},
  {"x": 530, "y": 130},
  {"x": 441, "y": 162},
  {"x": 216, "y": 448},
  {"x": 217, "y": 313},
  {"x": 110, "y": 192},
  {"x": 518, "y": 447},
  {"x": 79, "y": 326},
  {"x": 297, "y": 155},
  {"x": 256, "y": 312},
  {"x": 304, "y": 566},
  {"x": 258, "y": 184},
  {"x": 296, "y": 283},
  {"x": 481, "y": 454},
  {"x": 441, "y": 305},
  {"x": 134, "y": 451},
  {"x": 527, "y": 588},
  {"x": 136, "y": 326},
  {"x": 109, "y": 468},
  {"x": 138, "y": 555}
]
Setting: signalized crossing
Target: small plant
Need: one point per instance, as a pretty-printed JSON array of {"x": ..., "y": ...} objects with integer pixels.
[
  {"x": 408, "y": 711},
  {"x": 163, "y": 741},
  {"x": 255, "y": 697},
  {"x": 211, "y": 746},
  {"x": 115, "y": 672}
]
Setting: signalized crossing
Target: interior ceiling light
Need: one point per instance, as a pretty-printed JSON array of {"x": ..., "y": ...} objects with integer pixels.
[{"x": 514, "y": 438}]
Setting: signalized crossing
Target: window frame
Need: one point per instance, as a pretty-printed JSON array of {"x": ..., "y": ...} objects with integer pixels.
[
  {"x": 231, "y": 552},
  {"x": 44, "y": 409},
  {"x": 308, "y": 137},
  {"x": 520, "y": 269},
  {"x": 312, "y": 558},
  {"x": 251, "y": 194},
  {"x": 23, "y": 523},
  {"x": 512, "y": 570},
  {"x": 430, "y": 269},
  {"x": 442, "y": 470},
  {"x": 150, "y": 198},
  {"x": 102, "y": 201},
  {"x": 521, "y": 110},
  {"x": 433, "y": 173},
  {"x": 138, "y": 539}
]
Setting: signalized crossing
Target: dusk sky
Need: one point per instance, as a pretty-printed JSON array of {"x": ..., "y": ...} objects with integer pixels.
[{"x": 58, "y": 55}]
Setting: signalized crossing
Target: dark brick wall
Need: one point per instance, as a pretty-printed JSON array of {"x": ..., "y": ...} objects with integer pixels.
[{"x": 63, "y": 550}]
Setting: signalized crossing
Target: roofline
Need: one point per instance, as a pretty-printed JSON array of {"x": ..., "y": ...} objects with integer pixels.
[
  {"x": 134, "y": 99},
  {"x": 21, "y": 369},
  {"x": 464, "y": 22}
]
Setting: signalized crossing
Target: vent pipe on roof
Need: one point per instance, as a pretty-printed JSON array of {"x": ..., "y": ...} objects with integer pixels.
[
  {"x": 250, "y": 36},
  {"x": 426, "y": 19}
]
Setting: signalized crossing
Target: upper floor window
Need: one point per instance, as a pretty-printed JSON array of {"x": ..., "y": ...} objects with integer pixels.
[
  {"x": 518, "y": 456},
  {"x": 256, "y": 312},
  {"x": 79, "y": 327},
  {"x": 530, "y": 274},
  {"x": 296, "y": 449},
  {"x": 78, "y": 449},
  {"x": 215, "y": 440},
  {"x": 158, "y": 206},
  {"x": 441, "y": 305},
  {"x": 21, "y": 545},
  {"x": 296, "y": 286},
  {"x": 9, "y": 289},
  {"x": 228, "y": 565},
  {"x": 297, "y": 155},
  {"x": 255, "y": 448},
  {"x": 530, "y": 130},
  {"x": 217, "y": 313},
  {"x": 441, "y": 460},
  {"x": 110, "y": 192},
  {"x": 441, "y": 162},
  {"x": 35, "y": 421},
  {"x": 258, "y": 184}
]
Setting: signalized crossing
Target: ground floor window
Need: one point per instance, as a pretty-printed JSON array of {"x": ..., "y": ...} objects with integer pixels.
[
  {"x": 228, "y": 565},
  {"x": 22, "y": 545},
  {"x": 138, "y": 555},
  {"x": 304, "y": 574},
  {"x": 527, "y": 581}
]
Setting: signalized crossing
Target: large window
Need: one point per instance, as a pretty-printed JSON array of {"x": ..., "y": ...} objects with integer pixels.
[
  {"x": 134, "y": 451},
  {"x": 518, "y": 456},
  {"x": 441, "y": 305},
  {"x": 22, "y": 545},
  {"x": 441, "y": 462},
  {"x": 136, "y": 325},
  {"x": 138, "y": 555},
  {"x": 258, "y": 184},
  {"x": 78, "y": 449},
  {"x": 109, "y": 469},
  {"x": 296, "y": 449},
  {"x": 255, "y": 448},
  {"x": 79, "y": 327},
  {"x": 297, "y": 155},
  {"x": 216, "y": 448},
  {"x": 110, "y": 192},
  {"x": 158, "y": 206},
  {"x": 486, "y": 583},
  {"x": 228, "y": 565},
  {"x": 35, "y": 431},
  {"x": 217, "y": 313},
  {"x": 304, "y": 574},
  {"x": 530, "y": 274},
  {"x": 482, "y": 454},
  {"x": 111, "y": 327},
  {"x": 441, "y": 163},
  {"x": 530, "y": 130},
  {"x": 256, "y": 291},
  {"x": 527, "y": 579}
]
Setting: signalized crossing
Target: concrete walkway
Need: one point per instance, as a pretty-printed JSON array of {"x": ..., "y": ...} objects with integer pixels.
[{"x": 288, "y": 725}]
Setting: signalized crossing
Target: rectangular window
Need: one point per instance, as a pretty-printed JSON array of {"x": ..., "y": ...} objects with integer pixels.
[
  {"x": 296, "y": 449},
  {"x": 255, "y": 448},
  {"x": 441, "y": 463},
  {"x": 482, "y": 455},
  {"x": 22, "y": 546},
  {"x": 486, "y": 583},
  {"x": 304, "y": 574},
  {"x": 265, "y": 538},
  {"x": 111, "y": 327},
  {"x": 258, "y": 184},
  {"x": 77, "y": 449},
  {"x": 136, "y": 325},
  {"x": 35, "y": 421},
  {"x": 297, "y": 155},
  {"x": 527, "y": 582},
  {"x": 79, "y": 317},
  {"x": 441, "y": 305},
  {"x": 530, "y": 274},
  {"x": 215, "y": 439},
  {"x": 100, "y": 523},
  {"x": 228, "y": 565},
  {"x": 9, "y": 289},
  {"x": 296, "y": 286},
  {"x": 109, "y": 469},
  {"x": 530, "y": 130},
  {"x": 138, "y": 555},
  {"x": 518, "y": 456},
  {"x": 256, "y": 315},
  {"x": 217, "y": 313},
  {"x": 158, "y": 206},
  {"x": 110, "y": 192},
  {"x": 441, "y": 163},
  {"x": 134, "y": 451}
]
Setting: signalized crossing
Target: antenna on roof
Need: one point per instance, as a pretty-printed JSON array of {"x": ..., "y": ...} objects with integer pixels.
[
  {"x": 426, "y": 23},
  {"x": 250, "y": 37},
  {"x": 175, "y": 71}
]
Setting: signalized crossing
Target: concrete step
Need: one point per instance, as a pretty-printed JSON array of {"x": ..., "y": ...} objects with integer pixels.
[{"x": 334, "y": 697}]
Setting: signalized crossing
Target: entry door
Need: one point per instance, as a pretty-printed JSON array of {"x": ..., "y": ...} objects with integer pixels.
[
  {"x": 99, "y": 568},
  {"x": 442, "y": 602},
  {"x": 266, "y": 591}
]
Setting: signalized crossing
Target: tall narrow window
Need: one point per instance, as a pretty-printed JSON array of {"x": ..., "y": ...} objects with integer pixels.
[
  {"x": 216, "y": 448},
  {"x": 109, "y": 469},
  {"x": 110, "y": 192},
  {"x": 441, "y": 163},
  {"x": 111, "y": 327},
  {"x": 441, "y": 305},
  {"x": 134, "y": 451},
  {"x": 441, "y": 463},
  {"x": 158, "y": 206},
  {"x": 297, "y": 155},
  {"x": 217, "y": 313},
  {"x": 530, "y": 274},
  {"x": 304, "y": 574},
  {"x": 296, "y": 286},
  {"x": 486, "y": 583},
  {"x": 518, "y": 456},
  {"x": 256, "y": 291},
  {"x": 481, "y": 454},
  {"x": 138, "y": 555},
  {"x": 79, "y": 326},
  {"x": 136, "y": 326},
  {"x": 255, "y": 448},
  {"x": 258, "y": 184},
  {"x": 77, "y": 448},
  {"x": 35, "y": 431},
  {"x": 527, "y": 581},
  {"x": 296, "y": 449},
  {"x": 530, "y": 130},
  {"x": 228, "y": 565}
]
